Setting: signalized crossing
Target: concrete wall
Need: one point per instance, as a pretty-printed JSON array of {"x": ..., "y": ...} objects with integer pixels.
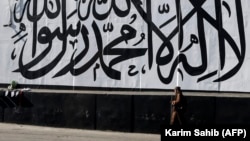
[{"x": 121, "y": 111}]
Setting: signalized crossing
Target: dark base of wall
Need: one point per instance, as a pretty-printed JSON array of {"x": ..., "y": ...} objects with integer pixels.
[{"x": 127, "y": 113}]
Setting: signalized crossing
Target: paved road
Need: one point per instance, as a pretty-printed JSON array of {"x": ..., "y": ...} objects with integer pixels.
[{"x": 15, "y": 132}]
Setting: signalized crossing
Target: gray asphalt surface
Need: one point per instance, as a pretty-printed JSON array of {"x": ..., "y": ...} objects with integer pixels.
[{"x": 17, "y": 132}]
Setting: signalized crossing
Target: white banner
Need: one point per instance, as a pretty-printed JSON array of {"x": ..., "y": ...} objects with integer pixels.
[{"x": 135, "y": 44}]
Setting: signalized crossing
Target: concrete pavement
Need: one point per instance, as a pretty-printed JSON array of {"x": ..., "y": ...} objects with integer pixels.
[{"x": 17, "y": 132}]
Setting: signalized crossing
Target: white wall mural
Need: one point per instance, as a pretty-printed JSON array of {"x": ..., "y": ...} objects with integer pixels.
[{"x": 135, "y": 44}]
